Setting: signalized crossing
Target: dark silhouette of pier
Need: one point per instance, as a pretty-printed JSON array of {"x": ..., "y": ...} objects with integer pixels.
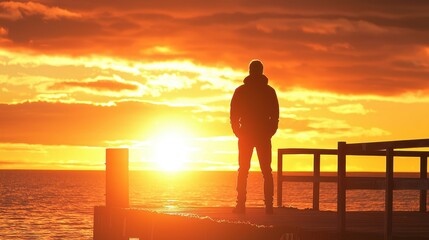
[{"x": 117, "y": 221}]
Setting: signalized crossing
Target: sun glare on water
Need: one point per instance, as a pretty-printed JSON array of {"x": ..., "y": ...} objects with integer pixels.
[{"x": 171, "y": 151}]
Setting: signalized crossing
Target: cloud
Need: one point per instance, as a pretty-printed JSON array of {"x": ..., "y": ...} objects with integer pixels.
[
  {"x": 18, "y": 10},
  {"x": 317, "y": 136},
  {"x": 99, "y": 78},
  {"x": 98, "y": 85},
  {"x": 35, "y": 156},
  {"x": 110, "y": 71},
  {"x": 3, "y": 31},
  {"x": 315, "y": 129},
  {"x": 321, "y": 98},
  {"x": 310, "y": 45},
  {"x": 21, "y": 148},
  {"x": 350, "y": 109},
  {"x": 56, "y": 123},
  {"x": 37, "y": 33}
]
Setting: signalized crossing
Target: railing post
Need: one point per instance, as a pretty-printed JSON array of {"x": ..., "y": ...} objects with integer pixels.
[
  {"x": 279, "y": 178},
  {"x": 316, "y": 181},
  {"x": 388, "y": 195},
  {"x": 341, "y": 192},
  {"x": 423, "y": 176}
]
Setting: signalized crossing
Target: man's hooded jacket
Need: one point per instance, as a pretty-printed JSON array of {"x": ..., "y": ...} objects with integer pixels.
[{"x": 254, "y": 109}]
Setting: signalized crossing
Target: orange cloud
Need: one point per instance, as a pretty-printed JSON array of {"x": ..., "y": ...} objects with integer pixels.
[
  {"x": 99, "y": 85},
  {"x": 3, "y": 31},
  {"x": 17, "y": 10},
  {"x": 356, "y": 108},
  {"x": 307, "y": 44},
  {"x": 94, "y": 125}
]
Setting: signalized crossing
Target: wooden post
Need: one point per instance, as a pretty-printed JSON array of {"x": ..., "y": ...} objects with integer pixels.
[
  {"x": 316, "y": 181},
  {"x": 388, "y": 195},
  {"x": 117, "y": 196},
  {"x": 101, "y": 223},
  {"x": 423, "y": 175},
  {"x": 109, "y": 220},
  {"x": 117, "y": 178},
  {"x": 341, "y": 192},
  {"x": 279, "y": 178}
]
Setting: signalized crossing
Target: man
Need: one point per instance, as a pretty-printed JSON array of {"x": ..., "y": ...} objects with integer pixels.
[{"x": 254, "y": 119}]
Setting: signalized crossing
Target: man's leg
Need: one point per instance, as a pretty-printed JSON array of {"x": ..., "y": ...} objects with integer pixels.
[
  {"x": 263, "y": 148},
  {"x": 245, "y": 149}
]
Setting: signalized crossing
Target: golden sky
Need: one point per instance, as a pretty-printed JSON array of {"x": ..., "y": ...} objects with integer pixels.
[{"x": 157, "y": 77}]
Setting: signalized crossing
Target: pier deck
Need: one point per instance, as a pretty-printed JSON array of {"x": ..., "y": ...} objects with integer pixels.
[{"x": 285, "y": 223}]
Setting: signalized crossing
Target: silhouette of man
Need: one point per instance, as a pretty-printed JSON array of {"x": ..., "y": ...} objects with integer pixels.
[{"x": 254, "y": 119}]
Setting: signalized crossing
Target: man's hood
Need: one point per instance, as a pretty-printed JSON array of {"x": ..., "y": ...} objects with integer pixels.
[{"x": 256, "y": 79}]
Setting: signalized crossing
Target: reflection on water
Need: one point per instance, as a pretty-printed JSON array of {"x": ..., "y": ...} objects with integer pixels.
[
  {"x": 175, "y": 190},
  {"x": 59, "y": 204}
]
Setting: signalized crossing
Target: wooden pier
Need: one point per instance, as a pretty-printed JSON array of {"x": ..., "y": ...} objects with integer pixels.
[
  {"x": 117, "y": 221},
  {"x": 220, "y": 223}
]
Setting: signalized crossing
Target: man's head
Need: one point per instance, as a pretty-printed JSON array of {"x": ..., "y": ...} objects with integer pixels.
[{"x": 256, "y": 67}]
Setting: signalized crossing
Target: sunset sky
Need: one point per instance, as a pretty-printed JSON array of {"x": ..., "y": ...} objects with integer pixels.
[{"x": 77, "y": 77}]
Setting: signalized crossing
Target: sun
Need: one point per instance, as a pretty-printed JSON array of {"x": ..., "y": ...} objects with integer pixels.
[{"x": 171, "y": 151}]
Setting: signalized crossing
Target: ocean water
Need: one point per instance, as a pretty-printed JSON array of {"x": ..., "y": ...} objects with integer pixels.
[{"x": 59, "y": 204}]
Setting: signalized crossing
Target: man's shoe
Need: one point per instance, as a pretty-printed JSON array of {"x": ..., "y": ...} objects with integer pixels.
[
  {"x": 239, "y": 209},
  {"x": 269, "y": 210}
]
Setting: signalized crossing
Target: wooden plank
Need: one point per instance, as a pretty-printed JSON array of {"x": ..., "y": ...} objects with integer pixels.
[
  {"x": 309, "y": 179},
  {"x": 374, "y": 183},
  {"x": 279, "y": 178},
  {"x": 316, "y": 183},
  {"x": 101, "y": 223},
  {"x": 383, "y": 153},
  {"x": 203, "y": 223},
  {"x": 220, "y": 223},
  {"x": 354, "y": 152},
  {"x": 307, "y": 151},
  {"x": 410, "y": 153},
  {"x": 389, "y": 196},
  {"x": 109, "y": 223},
  {"x": 341, "y": 190},
  {"x": 370, "y": 146},
  {"x": 410, "y": 184},
  {"x": 365, "y": 183},
  {"x": 423, "y": 176}
]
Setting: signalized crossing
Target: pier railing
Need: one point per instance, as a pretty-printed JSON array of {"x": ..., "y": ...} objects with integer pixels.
[
  {"x": 316, "y": 178},
  {"x": 388, "y": 183}
]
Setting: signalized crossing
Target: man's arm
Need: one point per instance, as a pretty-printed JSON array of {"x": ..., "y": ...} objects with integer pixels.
[
  {"x": 275, "y": 112},
  {"x": 234, "y": 114}
]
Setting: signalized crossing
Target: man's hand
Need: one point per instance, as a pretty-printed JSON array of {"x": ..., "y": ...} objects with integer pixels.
[
  {"x": 273, "y": 127},
  {"x": 236, "y": 129}
]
